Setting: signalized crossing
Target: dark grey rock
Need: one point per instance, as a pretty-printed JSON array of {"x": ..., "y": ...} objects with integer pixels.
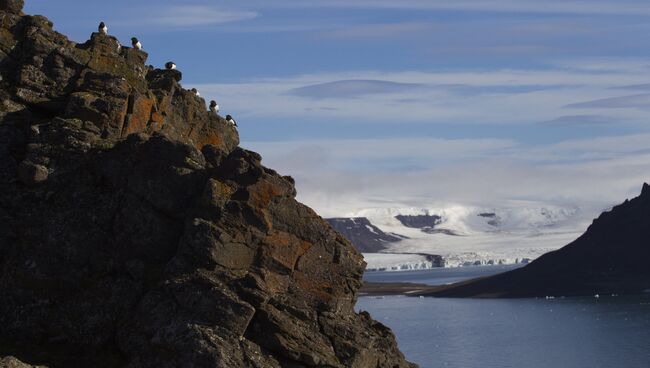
[
  {"x": 12, "y": 6},
  {"x": 32, "y": 174},
  {"x": 134, "y": 232}
]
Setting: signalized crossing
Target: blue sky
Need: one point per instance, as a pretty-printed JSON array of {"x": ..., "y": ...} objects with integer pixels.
[{"x": 374, "y": 102}]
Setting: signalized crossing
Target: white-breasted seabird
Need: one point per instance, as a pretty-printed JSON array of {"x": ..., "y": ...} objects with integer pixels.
[
  {"x": 136, "y": 44},
  {"x": 196, "y": 92},
  {"x": 102, "y": 28},
  {"x": 170, "y": 65},
  {"x": 214, "y": 106},
  {"x": 230, "y": 120}
]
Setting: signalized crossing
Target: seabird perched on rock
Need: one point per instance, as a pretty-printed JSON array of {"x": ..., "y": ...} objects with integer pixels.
[
  {"x": 230, "y": 120},
  {"x": 170, "y": 65},
  {"x": 102, "y": 28},
  {"x": 196, "y": 92},
  {"x": 214, "y": 107},
  {"x": 136, "y": 44}
]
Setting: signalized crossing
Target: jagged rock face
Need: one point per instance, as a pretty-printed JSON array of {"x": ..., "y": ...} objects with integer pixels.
[
  {"x": 611, "y": 257},
  {"x": 134, "y": 232}
]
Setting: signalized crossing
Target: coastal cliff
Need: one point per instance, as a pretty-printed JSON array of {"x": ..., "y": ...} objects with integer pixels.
[{"x": 135, "y": 232}]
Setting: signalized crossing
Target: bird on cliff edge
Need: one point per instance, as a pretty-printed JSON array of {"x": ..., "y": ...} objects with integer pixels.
[
  {"x": 196, "y": 92},
  {"x": 136, "y": 44},
  {"x": 102, "y": 28},
  {"x": 230, "y": 120},
  {"x": 170, "y": 65},
  {"x": 214, "y": 107}
]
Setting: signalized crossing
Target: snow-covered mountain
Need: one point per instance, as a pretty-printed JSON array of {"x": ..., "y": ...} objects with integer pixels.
[{"x": 468, "y": 235}]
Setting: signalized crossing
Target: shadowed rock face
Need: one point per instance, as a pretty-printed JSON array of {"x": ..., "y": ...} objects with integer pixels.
[
  {"x": 426, "y": 223},
  {"x": 610, "y": 257},
  {"x": 134, "y": 232},
  {"x": 365, "y": 237},
  {"x": 419, "y": 221}
]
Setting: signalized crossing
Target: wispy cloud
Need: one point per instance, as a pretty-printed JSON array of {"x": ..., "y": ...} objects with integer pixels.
[
  {"x": 380, "y": 31},
  {"x": 597, "y": 148},
  {"x": 375, "y": 152},
  {"x": 640, "y": 101},
  {"x": 352, "y": 88},
  {"x": 580, "y": 120},
  {"x": 624, "y": 7},
  {"x": 607, "y": 66},
  {"x": 461, "y": 96},
  {"x": 189, "y": 16},
  {"x": 635, "y": 87}
]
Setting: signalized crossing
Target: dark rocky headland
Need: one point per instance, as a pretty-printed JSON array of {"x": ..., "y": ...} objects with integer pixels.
[
  {"x": 134, "y": 232},
  {"x": 611, "y": 257}
]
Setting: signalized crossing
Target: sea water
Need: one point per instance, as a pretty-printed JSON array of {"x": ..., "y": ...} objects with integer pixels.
[
  {"x": 609, "y": 331},
  {"x": 438, "y": 276}
]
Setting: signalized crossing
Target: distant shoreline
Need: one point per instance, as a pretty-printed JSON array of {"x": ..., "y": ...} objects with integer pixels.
[
  {"x": 394, "y": 288},
  {"x": 422, "y": 290}
]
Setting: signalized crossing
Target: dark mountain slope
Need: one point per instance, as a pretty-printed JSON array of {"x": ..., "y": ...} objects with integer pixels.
[
  {"x": 612, "y": 256},
  {"x": 365, "y": 236}
]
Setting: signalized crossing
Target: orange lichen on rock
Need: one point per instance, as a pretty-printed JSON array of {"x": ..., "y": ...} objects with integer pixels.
[
  {"x": 263, "y": 192},
  {"x": 139, "y": 114},
  {"x": 285, "y": 248}
]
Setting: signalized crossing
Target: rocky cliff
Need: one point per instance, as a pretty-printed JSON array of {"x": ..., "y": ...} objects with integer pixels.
[
  {"x": 134, "y": 232},
  {"x": 611, "y": 257}
]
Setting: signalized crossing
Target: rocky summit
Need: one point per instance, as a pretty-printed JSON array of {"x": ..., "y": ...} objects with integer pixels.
[{"x": 135, "y": 232}]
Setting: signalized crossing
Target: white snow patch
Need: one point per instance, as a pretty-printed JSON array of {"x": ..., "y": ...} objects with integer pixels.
[
  {"x": 371, "y": 229},
  {"x": 520, "y": 234}
]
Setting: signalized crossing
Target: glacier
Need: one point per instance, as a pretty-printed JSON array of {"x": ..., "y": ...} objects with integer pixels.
[{"x": 474, "y": 235}]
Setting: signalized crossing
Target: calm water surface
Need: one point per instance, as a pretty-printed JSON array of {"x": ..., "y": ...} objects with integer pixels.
[
  {"x": 520, "y": 333},
  {"x": 438, "y": 276}
]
